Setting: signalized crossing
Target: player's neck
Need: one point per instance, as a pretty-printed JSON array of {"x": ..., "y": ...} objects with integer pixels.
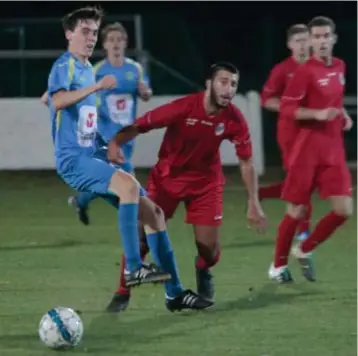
[
  {"x": 116, "y": 61},
  {"x": 300, "y": 59},
  {"x": 77, "y": 55},
  {"x": 326, "y": 60}
]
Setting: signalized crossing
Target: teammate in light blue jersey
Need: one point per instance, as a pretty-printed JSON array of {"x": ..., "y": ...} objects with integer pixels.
[
  {"x": 117, "y": 107},
  {"x": 72, "y": 89}
]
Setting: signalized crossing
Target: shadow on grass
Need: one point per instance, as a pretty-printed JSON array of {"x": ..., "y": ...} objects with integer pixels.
[{"x": 55, "y": 245}]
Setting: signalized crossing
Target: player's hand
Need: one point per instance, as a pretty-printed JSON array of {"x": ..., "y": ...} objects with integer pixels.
[
  {"x": 327, "y": 114},
  {"x": 144, "y": 91},
  {"x": 348, "y": 123},
  {"x": 114, "y": 153},
  {"x": 255, "y": 216},
  {"x": 107, "y": 82}
]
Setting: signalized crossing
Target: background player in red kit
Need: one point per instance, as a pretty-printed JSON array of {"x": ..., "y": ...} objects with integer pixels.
[
  {"x": 314, "y": 99},
  {"x": 189, "y": 165},
  {"x": 299, "y": 44}
]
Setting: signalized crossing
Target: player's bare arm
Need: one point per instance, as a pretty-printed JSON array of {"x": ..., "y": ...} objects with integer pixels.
[
  {"x": 293, "y": 98},
  {"x": 145, "y": 93},
  {"x": 114, "y": 153},
  {"x": 63, "y": 98},
  {"x": 348, "y": 120},
  {"x": 316, "y": 114},
  {"x": 255, "y": 214},
  {"x": 44, "y": 98},
  {"x": 272, "y": 104}
]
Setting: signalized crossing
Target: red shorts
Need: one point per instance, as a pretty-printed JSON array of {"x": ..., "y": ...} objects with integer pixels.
[
  {"x": 203, "y": 209},
  {"x": 302, "y": 180},
  {"x": 311, "y": 167},
  {"x": 285, "y": 153},
  {"x": 286, "y": 135}
]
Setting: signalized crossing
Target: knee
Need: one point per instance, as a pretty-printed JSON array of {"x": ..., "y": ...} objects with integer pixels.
[
  {"x": 159, "y": 215},
  {"x": 125, "y": 186},
  {"x": 343, "y": 207},
  {"x": 210, "y": 253},
  {"x": 296, "y": 211}
]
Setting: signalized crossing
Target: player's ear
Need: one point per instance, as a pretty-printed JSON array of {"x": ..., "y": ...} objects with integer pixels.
[
  {"x": 208, "y": 83},
  {"x": 288, "y": 44},
  {"x": 69, "y": 35},
  {"x": 335, "y": 38}
]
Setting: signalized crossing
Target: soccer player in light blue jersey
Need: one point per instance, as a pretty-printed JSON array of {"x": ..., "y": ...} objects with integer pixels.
[
  {"x": 72, "y": 92},
  {"x": 117, "y": 107}
]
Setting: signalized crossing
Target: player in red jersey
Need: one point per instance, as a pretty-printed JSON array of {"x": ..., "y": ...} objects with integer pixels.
[
  {"x": 299, "y": 44},
  {"x": 189, "y": 165},
  {"x": 314, "y": 100}
]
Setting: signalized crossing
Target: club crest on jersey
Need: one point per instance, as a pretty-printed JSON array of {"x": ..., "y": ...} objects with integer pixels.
[
  {"x": 129, "y": 75},
  {"x": 342, "y": 80},
  {"x": 219, "y": 129}
]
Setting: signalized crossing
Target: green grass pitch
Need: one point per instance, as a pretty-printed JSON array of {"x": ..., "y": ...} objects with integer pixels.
[{"x": 48, "y": 259}]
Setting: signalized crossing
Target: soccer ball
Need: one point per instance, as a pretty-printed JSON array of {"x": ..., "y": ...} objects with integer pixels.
[{"x": 61, "y": 328}]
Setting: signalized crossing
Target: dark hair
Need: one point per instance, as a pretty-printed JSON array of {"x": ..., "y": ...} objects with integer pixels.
[
  {"x": 69, "y": 22},
  {"x": 214, "y": 68},
  {"x": 295, "y": 29},
  {"x": 117, "y": 26},
  {"x": 320, "y": 21}
]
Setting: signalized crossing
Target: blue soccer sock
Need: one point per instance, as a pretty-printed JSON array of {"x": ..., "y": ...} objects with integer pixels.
[
  {"x": 163, "y": 256},
  {"x": 128, "y": 227},
  {"x": 83, "y": 199}
]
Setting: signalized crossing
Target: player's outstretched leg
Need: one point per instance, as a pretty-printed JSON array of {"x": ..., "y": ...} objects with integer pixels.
[
  {"x": 121, "y": 298},
  {"x": 278, "y": 270},
  {"x": 159, "y": 244},
  {"x": 207, "y": 242},
  {"x": 304, "y": 226},
  {"x": 342, "y": 210},
  {"x": 126, "y": 188},
  {"x": 80, "y": 203}
]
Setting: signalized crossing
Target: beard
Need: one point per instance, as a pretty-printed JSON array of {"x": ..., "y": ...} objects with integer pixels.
[{"x": 214, "y": 99}]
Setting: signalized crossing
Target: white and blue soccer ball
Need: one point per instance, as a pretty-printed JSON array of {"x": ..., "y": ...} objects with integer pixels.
[{"x": 61, "y": 328}]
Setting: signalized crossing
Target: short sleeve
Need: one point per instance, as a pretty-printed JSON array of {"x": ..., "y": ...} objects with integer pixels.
[
  {"x": 165, "y": 115},
  {"x": 238, "y": 133},
  {"x": 275, "y": 84},
  {"x": 61, "y": 76},
  {"x": 295, "y": 92}
]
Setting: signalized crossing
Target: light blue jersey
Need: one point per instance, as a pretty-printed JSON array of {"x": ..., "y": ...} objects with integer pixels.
[
  {"x": 76, "y": 129},
  {"x": 76, "y": 125},
  {"x": 118, "y": 107}
]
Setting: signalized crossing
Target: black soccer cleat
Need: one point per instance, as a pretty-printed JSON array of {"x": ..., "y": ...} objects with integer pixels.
[
  {"x": 188, "y": 300},
  {"x": 146, "y": 274},
  {"x": 82, "y": 212},
  {"x": 205, "y": 283},
  {"x": 119, "y": 303}
]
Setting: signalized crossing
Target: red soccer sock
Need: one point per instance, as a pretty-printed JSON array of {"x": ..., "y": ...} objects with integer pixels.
[
  {"x": 324, "y": 228},
  {"x": 285, "y": 234},
  {"x": 272, "y": 191},
  {"x": 202, "y": 264},
  {"x": 122, "y": 282},
  {"x": 305, "y": 223}
]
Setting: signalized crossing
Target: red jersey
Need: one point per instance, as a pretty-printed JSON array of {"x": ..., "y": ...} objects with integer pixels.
[
  {"x": 274, "y": 88},
  {"x": 316, "y": 85},
  {"x": 190, "y": 148}
]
